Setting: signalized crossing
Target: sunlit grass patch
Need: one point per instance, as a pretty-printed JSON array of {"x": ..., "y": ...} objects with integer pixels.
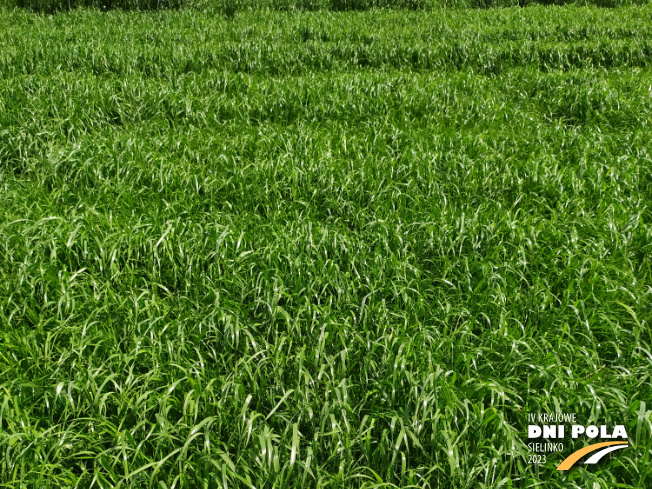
[{"x": 321, "y": 249}]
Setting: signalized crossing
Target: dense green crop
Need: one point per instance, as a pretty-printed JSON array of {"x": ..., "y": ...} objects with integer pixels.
[
  {"x": 50, "y": 6},
  {"x": 321, "y": 249},
  {"x": 229, "y": 8}
]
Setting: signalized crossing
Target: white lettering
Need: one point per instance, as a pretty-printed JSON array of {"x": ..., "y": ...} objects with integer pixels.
[
  {"x": 550, "y": 431},
  {"x": 619, "y": 432},
  {"x": 592, "y": 431},
  {"x": 577, "y": 430},
  {"x": 533, "y": 431}
]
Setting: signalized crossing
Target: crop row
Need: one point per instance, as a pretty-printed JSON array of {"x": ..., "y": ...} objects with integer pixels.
[
  {"x": 230, "y": 8},
  {"x": 279, "y": 44},
  {"x": 75, "y": 106}
]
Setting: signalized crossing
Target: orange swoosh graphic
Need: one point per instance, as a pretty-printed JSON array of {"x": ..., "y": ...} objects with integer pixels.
[{"x": 575, "y": 456}]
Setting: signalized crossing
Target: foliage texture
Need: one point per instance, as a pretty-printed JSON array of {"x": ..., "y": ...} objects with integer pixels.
[{"x": 322, "y": 249}]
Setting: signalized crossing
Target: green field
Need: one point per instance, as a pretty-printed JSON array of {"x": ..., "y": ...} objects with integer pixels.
[{"x": 323, "y": 249}]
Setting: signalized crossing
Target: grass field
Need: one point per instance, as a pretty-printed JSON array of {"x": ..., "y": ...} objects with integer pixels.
[{"x": 295, "y": 249}]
